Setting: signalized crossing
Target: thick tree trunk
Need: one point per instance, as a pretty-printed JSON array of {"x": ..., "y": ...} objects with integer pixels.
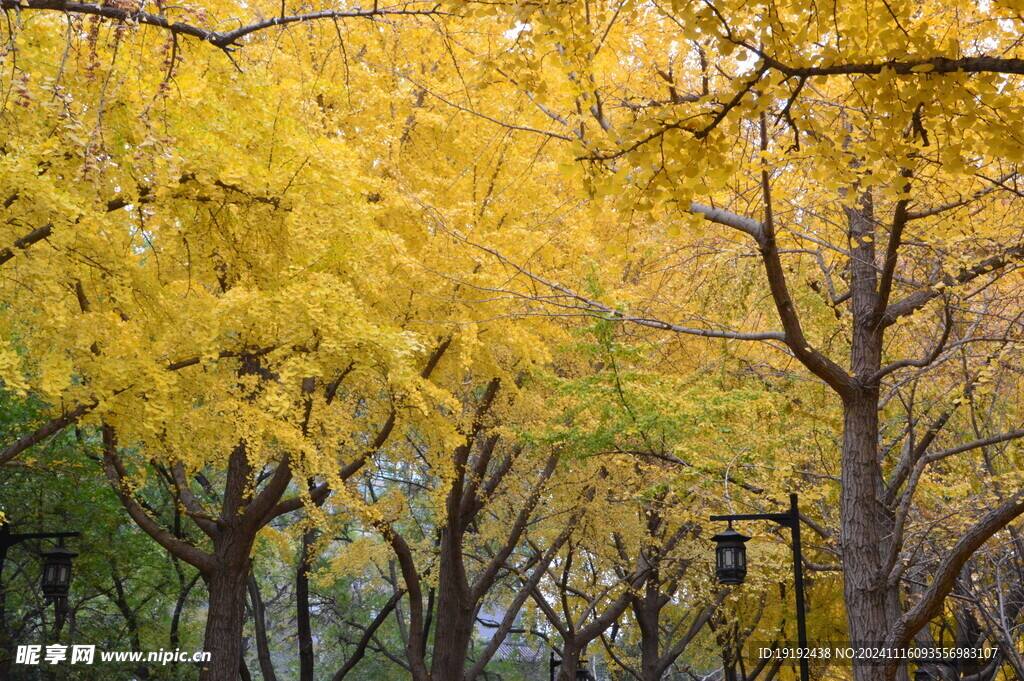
[
  {"x": 455, "y": 613},
  {"x": 225, "y": 619},
  {"x": 865, "y": 528},
  {"x": 865, "y": 525},
  {"x": 570, "y": 663}
]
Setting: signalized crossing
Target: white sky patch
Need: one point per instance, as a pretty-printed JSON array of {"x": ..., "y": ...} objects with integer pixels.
[{"x": 517, "y": 30}]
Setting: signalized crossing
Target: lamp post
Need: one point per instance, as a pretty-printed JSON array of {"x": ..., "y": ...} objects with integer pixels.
[
  {"x": 56, "y": 578},
  {"x": 731, "y": 563}
]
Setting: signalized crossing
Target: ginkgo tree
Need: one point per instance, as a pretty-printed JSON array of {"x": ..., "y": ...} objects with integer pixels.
[{"x": 201, "y": 294}]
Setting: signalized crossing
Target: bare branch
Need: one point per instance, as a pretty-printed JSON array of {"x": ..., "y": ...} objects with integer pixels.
[
  {"x": 227, "y": 41},
  {"x": 936, "y": 210},
  {"x": 975, "y": 444},
  {"x": 368, "y": 633},
  {"x": 922, "y": 67},
  {"x": 949, "y": 568},
  {"x": 899, "y": 222},
  {"x": 915, "y": 301},
  {"x": 600, "y": 308},
  {"x": 729, "y": 219},
  {"x": 927, "y": 359}
]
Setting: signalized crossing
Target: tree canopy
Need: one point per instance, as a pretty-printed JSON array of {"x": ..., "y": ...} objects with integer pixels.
[{"x": 393, "y": 334}]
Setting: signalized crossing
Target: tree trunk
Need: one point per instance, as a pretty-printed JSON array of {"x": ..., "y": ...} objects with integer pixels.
[
  {"x": 455, "y": 613},
  {"x": 647, "y": 611},
  {"x": 225, "y": 619},
  {"x": 7, "y": 652},
  {"x": 259, "y": 618},
  {"x": 570, "y": 662},
  {"x": 865, "y": 526},
  {"x": 305, "y": 634}
]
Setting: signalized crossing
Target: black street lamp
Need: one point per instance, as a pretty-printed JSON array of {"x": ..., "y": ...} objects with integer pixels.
[
  {"x": 56, "y": 566},
  {"x": 731, "y": 563},
  {"x": 730, "y": 556},
  {"x": 57, "y": 573}
]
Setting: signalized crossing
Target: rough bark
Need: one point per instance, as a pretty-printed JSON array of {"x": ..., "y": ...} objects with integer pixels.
[
  {"x": 455, "y": 612},
  {"x": 570, "y": 662},
  {"x": 225, "y": 619},
  {"x": 865, "y": 528},
  {"x": 647, "y": 613}
]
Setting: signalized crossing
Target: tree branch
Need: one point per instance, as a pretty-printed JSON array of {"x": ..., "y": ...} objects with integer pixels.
[
  {"x": 820, "y": 365},
  {"x": 367, "y": 636},
  {"x": 486, "y": 578},
  {"x": 413, "y": 584},
  {"x": 936, "y": 210},
  {"x": 915, "y": 301},
  {"x": 227, "y": 41},
  {"x": 930, "y": 603},
  {"x": 323, "y": 490},
  {"x": 39, "y": 434},
  {"x": 925, "y": 361},
  {"x": 193, "y": 507},
  {"x": 26, "y": 241},
  {"x": 921, "y": 67},
  {"x": 729, "y": 219},
  {"x": 976, "y": 444},
  {"x": 117, "y": 477},
  {"x": 899, "y": 222},
  {"x": 602, "y": 309}
]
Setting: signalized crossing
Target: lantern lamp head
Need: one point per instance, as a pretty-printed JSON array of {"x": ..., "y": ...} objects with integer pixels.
[
  {"x": 57, "y": 572},
  {"x": 730, "y": 556}
]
